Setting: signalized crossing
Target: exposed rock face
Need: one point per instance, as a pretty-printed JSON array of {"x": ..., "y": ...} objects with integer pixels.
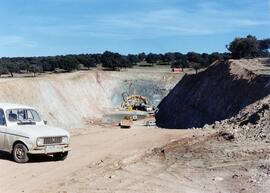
[{"x": 218, "y": 93}]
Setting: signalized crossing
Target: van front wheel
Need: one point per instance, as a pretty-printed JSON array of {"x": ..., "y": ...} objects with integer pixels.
[{"x": 20, "y": 153}]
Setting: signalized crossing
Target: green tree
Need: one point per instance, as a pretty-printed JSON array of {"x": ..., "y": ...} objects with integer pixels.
[
  {"x": 180, "y": 63},
  {"x": 194, "y": 57},
  {"x": 169, "y": 57},
  {"x": 68, "y": 63},
  {"x": 115, "y": 60},
  {"x": 34, "y": 68},
  {"x": 142, "y": 56},
  {"x": 133, "y": 59},
  {"x": 87, "y": 60},
  {"x": 196, "y": 66},
  {"x": 110, "y": 60},
  {"x": 244, "y": 47},
  {"x": 152, "y": 58},
  {"x": 264, "y": 46},
  {"x": 3, "y": 68},
  {"x": 13, "y": 68}
]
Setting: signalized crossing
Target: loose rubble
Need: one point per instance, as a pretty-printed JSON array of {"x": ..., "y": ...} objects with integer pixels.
[{"x": 253, "y": 122}]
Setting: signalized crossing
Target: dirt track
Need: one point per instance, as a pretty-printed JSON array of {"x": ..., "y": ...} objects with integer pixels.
[
  {"x": 108, "y": 159},
  {"x": 89, "y": 147}
]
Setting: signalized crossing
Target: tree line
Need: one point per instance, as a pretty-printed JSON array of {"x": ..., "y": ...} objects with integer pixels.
[{"x": 247, "y": 47}]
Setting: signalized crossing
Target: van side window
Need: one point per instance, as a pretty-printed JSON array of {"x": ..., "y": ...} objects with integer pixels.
[{"x": 2, "y": 117}]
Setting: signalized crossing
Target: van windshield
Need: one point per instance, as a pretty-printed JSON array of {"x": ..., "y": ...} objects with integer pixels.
[{"x": 23, "y": 115}]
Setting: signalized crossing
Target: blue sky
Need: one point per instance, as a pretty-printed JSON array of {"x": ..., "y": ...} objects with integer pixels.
[{"x": 53, "y": 27}]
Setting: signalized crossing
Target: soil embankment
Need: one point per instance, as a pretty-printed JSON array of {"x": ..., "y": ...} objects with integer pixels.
[
  {"x": 70, "y": 100},
  {"x": 220, "y": 92}
]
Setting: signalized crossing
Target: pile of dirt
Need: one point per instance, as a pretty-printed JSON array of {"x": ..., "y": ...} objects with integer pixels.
[
  {"x": 251, "y": 123},
  {"x": 218, "y": 93}
]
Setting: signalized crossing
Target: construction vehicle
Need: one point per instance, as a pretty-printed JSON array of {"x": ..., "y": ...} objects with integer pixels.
[
  {"x": 135, "y": 102},
  {"x": 126, "y": 122},
  {"x": 150, "y": 123},
  {"x": 129, "y": 108}
]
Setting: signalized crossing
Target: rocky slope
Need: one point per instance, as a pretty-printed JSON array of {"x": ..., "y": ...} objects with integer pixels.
[
  {"x": 218, "y": 93},
  {"x": 251, "y": 123}
]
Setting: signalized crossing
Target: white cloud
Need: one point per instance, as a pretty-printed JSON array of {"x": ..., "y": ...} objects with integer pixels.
[
  {"x": 208, "y": 18},
  {"x": 168, "y": 22},
  {"x": 16, "y": 41}
]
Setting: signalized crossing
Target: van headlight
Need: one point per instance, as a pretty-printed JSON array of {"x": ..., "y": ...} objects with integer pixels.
[
  {"x": 40, "y": 141},
  {"x": 65, "y": 140}
]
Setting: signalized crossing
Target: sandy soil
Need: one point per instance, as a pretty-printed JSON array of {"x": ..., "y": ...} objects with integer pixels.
[
  {"x": 144, "y": 159},
  {"x": 95, "y": 146}
]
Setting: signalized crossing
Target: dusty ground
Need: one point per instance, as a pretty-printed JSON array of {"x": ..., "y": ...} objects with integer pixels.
[
  {"x": 95, "y": 146},
  {"x": 107, "y": 159},
  {"x": 144, "y": 159}
]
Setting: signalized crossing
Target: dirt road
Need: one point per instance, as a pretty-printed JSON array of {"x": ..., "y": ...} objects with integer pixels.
[
  {"x": 108, "y": 159},
  {"x": 90, "y": 147}
]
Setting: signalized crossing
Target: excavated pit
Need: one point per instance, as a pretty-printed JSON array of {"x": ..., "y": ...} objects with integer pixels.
[
  {"x": 215, "y": 94},
  {"x": 73, "y": 100}
]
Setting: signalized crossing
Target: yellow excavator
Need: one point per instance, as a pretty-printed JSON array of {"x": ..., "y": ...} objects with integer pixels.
[{"x": 134, "y": 102}]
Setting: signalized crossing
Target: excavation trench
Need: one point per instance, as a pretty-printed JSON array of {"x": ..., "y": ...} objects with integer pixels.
[{"x": 70, "y": 100}]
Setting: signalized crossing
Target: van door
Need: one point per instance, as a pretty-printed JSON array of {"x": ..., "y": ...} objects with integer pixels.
[{"x": 3, "y": 129}]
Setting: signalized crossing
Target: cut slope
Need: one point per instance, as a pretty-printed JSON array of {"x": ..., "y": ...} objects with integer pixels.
[
  {"x": 70, "y": 100},
  {"x": 63, "y": 99},
  {"x": 217, "y": 93}
]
